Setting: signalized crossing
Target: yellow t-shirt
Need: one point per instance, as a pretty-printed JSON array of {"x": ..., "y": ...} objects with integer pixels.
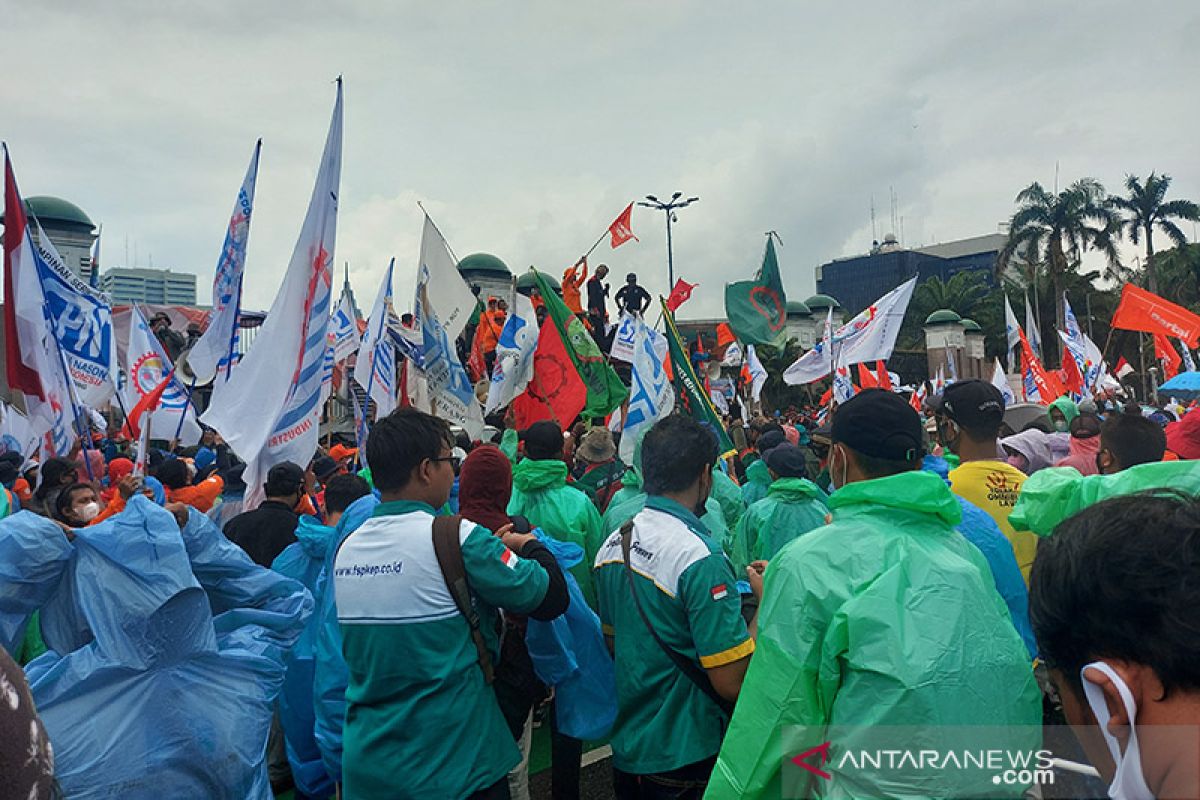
[{"x": 994, "y": 486}]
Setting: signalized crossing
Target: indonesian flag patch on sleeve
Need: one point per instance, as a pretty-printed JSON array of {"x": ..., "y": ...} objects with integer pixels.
[
  {"x": 720, "y": 591},
  {"x": 509, "y": 558}
]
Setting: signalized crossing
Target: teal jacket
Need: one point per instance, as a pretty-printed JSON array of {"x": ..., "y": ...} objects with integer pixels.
[{"x": 792, "y": 508}]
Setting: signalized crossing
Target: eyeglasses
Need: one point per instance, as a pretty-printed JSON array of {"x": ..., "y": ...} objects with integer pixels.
[{"x": 455, "y": 461}]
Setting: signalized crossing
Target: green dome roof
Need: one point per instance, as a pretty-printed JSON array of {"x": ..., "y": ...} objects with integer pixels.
[
  {"x": 942, "y": 316},
  {"x": 797, "y": 307},
  {"x": 56, "y": 212},
  {"x": 525, "y": 281},
  {"x": 821, "y": 301},
  {"x": 484, "y": 262},
  {"x": 972, "y": 326}
]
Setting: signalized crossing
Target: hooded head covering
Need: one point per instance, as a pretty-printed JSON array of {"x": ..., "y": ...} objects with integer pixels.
[
  {"x": 118, "y": 468},
  {"x": 1034, "y": 445},
  {"x": 156, "y": 489},
  {"x": 1183, "y": 437},
  {"x": 485, "y": 487},
  {"x": 1066, "y": 407}
]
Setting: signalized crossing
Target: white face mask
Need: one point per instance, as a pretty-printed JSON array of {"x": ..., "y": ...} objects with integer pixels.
[
  {"x": 88, "y": 511},
  {"x": 1128, "y": 782}
]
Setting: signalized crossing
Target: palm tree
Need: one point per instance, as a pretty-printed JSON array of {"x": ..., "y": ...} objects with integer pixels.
[
  {"x": 1055, "y": 229},
  {"x": 1144, "y": 209},
  {"x": 961, "y": 294}
]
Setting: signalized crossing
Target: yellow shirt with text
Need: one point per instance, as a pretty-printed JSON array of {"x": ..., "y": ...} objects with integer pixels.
[{"x": 994, "y": 486}]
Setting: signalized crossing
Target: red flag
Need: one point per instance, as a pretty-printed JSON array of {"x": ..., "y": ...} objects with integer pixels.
[
  {"x": 825, "y": 398},
  {"x": 1141, "y": 310},
  {"x": 476, "y": 362},
  {"x": 1072, "y": 380},
  {"x": 883, "y": 377},
  {"x": 622, "y": 228},
  {"x": 556, "y": 391},
  {"x": 724, "y": 335},
  {"x": 1047, "y": 385},
  {"x": 149, "y": 402},
  {"x": 865, "y": 379},
  {"x": 1167, "y": 355},
  {"x": 20, "y": 375},
  {"x": 917, "y": 398},
  {"x": 680, "y": 294}
]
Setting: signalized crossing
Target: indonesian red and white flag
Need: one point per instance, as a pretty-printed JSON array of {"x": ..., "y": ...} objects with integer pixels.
[
  {"x": 271, "y": 410},
  {"x": 622, "y": 228}
]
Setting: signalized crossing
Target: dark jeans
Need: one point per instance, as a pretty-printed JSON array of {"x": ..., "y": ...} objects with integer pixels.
[
  {"x": 566, "y": 755},
  {"x": 497, "y": 791},
  {"x": 685, "y": 783}
]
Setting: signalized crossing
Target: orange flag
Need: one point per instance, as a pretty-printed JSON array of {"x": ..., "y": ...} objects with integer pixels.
[
  {"x": 865, "y": 379},
  {"x": 883, "y": 378},
  {"x": 1141, "y": 310},
  {"x": 622, "y": 228},
  {"x": 1167, "y": 355}
]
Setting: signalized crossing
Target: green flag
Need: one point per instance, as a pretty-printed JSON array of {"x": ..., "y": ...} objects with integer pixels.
[
  {"x": 605, "y": 392},
  {"x": 757, "y": 309},
  {"x": 692, "y": 396}
]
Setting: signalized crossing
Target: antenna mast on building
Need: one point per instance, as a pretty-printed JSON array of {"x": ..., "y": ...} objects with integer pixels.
[{"x": 874, "y": 232}]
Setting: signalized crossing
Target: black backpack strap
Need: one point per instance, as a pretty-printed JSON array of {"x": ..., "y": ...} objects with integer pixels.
[
  {"x": 448, "y": 550},
  {"x": 689, "y": 668}
]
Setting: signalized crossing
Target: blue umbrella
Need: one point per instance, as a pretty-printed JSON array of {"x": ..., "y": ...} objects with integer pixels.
[{"x": 1184, "y": 386}]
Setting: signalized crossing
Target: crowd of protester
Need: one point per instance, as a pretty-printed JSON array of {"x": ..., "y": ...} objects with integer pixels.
[{"x": 708, "y": 614}]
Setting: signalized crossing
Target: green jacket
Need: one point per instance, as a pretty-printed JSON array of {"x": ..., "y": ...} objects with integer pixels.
[
  {"x": 792, "y": 507},
  {"x": 729, "y": 495},
  {"x": 1050, "y": 495},
  {"x": 541, "y": 495},
  {"x": 885, "y": 617},
  {"x": 758, "y": 480}
]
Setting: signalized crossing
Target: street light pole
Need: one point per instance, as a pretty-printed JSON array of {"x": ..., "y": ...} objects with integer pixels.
[{"x": 669, "y": 207}]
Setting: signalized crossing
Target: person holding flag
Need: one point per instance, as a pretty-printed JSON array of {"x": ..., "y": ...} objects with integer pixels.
[{"x": 572, "y": 281}]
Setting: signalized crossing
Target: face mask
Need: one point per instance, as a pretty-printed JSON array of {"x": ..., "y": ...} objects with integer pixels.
[
  {"x": 88, "y": 511},
  {"x": 1128, "y": 782},
  {"x": 1061, "y": 425}
]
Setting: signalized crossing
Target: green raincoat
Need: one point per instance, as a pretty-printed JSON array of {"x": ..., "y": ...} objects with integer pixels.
[
  {"x": 1067, "y": 406},
  {"x": 541, "y": 495},
  {"x": 886, "y": 617},
  {"x": 1050, "y": 495},
  {"x": 758, "y": 480},
  {"x": 792, "y": 507},
  {"x": 729, "y": 495}
]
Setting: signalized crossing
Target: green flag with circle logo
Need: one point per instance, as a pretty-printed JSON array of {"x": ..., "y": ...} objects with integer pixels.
[{"x": 757, "y": 309}]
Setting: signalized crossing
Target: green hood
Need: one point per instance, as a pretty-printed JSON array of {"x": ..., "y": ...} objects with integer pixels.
[
  {"x": 919, "y": 491},
  {"x": 1049, "y": 496},
  {"x": 795, "y": 489},
  {"x": 1067, "y": 406},
  {"x": 530, "y": 475},
  {"x": 758, "y": 473}
]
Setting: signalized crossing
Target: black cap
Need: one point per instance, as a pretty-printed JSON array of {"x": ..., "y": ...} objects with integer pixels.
[
  {"x": 879, "y": 424},
  {"x": 284, "y": 478},
  {"x": 543, "y": 440},
  {"x": 974, "y": 405},
  {"x": 787, "y": 461},
  {"x": 324, "y": 467},
  {"x": 768, "y": 440}
]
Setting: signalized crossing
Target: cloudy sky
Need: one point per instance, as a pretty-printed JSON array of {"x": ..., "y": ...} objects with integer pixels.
[{"x": 525, "y": 127}]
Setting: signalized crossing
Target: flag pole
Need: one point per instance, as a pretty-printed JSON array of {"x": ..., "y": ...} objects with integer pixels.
[{"x": 186, "y": 405}]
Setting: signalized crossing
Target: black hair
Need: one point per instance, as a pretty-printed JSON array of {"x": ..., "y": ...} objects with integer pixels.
[
  {"x": 1121, "y": 579},
  {"x": 463, "y": 439},
  {"x": 342, "y": 490},
  {"x": 62, "y": 503},
  {"x": 874, "y": 467},
  {"x": 675, "y": 453},
  {"x": 188, "y": 452},
  {"x": 400, "y": 442},
  {"x": 543, "y": 441},
  {"x": 173, "y": 473},
  {"x": 1132, "y": 439},
  {"x": 53, "y": 472}
]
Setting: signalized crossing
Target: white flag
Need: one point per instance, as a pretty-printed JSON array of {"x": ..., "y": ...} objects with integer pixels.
[
  {"x": 720, "y": 403},
  {"x": 272, "y": 408},
  {"x": 1000, "y": 381},
  {"x": 147, "y": 364},
  {"x": 650, "y": 394},
  {"x": 1031, "y": 329},
  {"x": 514, "y": 354},
  {"x": 622, "y": 342},
  {"x": 1012, "y": 329},
  {"x": 34, "y": 357},
  {"x": 215, "y": 350},
  {"x": 81, "y": 317},
  {"x": 758, "y": 373},
  {"x": 447, "y": 290},
  {"x": 16, "y": 433},
  {"x": 867, "y": 338},
  {"x": 733, "y": 355},
  {"x": 1188, "y": 364},
  {"x": 951, "y": 364},
  {"x": 1087, "y": 355},
  {"x": 375, "y": 369},
  {"x": 345, "y": 329},
  {"x": 450, "y": 389}
]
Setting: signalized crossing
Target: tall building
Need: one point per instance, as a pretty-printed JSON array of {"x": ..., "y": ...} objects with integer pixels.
[
  {"x": 69, "y": 229},
  {"x": 158, "y": 286},
  {"x": 858, "y": 281}
]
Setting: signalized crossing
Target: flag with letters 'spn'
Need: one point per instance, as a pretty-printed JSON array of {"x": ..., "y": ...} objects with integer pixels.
[
  {"x": 605, "y": 390},
  {"x": 757, "y": 309},
  {"x": 692, "y": 396}
]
